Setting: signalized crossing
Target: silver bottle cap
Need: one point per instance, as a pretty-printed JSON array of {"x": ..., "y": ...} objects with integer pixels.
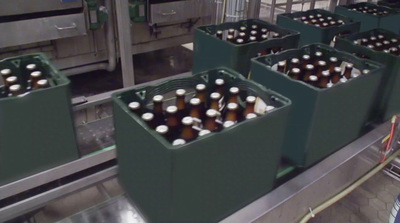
[
  {"x": 178, "y": 142},
  {"x": 325, "y": 73},
  {"x": 5, "y": 72},
  {"x": 211, "y": 113},
  {"x": 234, "y": 90},
  {"x": 162, "y": 129},
  {"x": 313, "y": 78},
  {"x": 11, "y": 79},
  {"x": 187, "y": 120},
  {"x": 251, "y": 116},
  {"x": 251, "y": 99},
  {"x": 134, "y": 105},
  {"x": 15, "y": 87},
  {"x": 42, "y": 82},
  {"x": 310, "y": 67},
  {"x": 215, "y": 95},
  {"x": 204, "y": 132},
  {"x": 172, "y": 109},
  {"x": 36, "y": 74},
  {"x": 195, "y": 101},
  {"x": 158, "y": 98},
  {"x": 148, "y": 116},
  {"x": 31, "y": 66},
  {"x": 200, "y": 87},
  {"x": 219, "y": 81},
  {"x": 180, "y": 92},
  {"x": 232, "y": 106},
  {"x": 228, "y": 124}
]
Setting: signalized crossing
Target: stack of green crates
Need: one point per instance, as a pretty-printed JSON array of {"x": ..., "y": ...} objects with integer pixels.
[
  {"x": 37, "y": 128},
  {"x": 368, "y": 21},
  {"x": 207, "y": 179},
  {"x": 311, "y": 34},
  {"x": 388, "y": 100},
  {"x": 321, "y": 121},
  {"x": 211, "y": 52}
]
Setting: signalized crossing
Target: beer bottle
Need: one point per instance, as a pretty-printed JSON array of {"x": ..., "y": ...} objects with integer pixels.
[
  {"x": 254, "y": 33},
  {"x": 317, "y": 57},
  {"x": 149, "y": 119},
  {"x": 321, "y": 66},
  {"x": 372, "y": 40},
  {"x": 215, "y": 97},
  {"x": 210, "y": 122},
  {"x": 251, "y": 116},
  {"x": 378, "y": 46},
  {"x": 35, "y": 76},
  {"x": 31, "y": 67},
  {"x": 180, "y": 103},
  {"x": 281, "y": 66},
  {"x": 135, "y": 107},
  {"x": 264, "y": 31},
  {"x": 195, "y": 111},
  {"x": 43, "y": 83},
  {"x": 178, "y": 142},
  {"x": 313, "y": 80},
  {"x": 347, "y": 70},
  {"x": 333, "y": 61},
  {"x": 231, "y": 32},
  {"x": 252, "y": 39},
  {"x": 332, "y": 23},
  {"x": 163, "y": 131},
  {"x": 230, "y": 38},
  {"x": 188, "y": 133},
  {"x": 219, "y": 34},
  {"x": 5, "y": 73},
  {"x": 337, "y": 74},
  {"x": 239, "y": 41},
  {"x": 242, "y": 29},
  {"x": 250, "y": 102},
  {"x": 275, "y": 35},
  {"x": 201, "y": 93},
  {"x": 11, "y": 80},
  {"x": 294, "y": 63},
  {"x": 15, "y": 90},
  {"x": 204, "y": 132},
  {"x": 173, "y": 121},
  {"x": 364, "y": 42},
  {"x": 234, "y": 91},
  {"x": 295, "y": 73},
  {"x": 232, "y": 112},
  {"x": 309, "y": 71},
  {"x": 386, "y": 44},
  {"x": 158, "y": 109},
  {"x": 305, "y": 59},
  {"x": 242, "y": 35},
  {"x": 264, "y": 37},
  {"x": 394, "y": 42},
  {"x": 220, "y": 84},
  {"x": 324, "y": 80}
]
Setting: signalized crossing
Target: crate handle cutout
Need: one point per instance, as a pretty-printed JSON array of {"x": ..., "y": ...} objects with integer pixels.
[
  {"x": 17, "y": 63},
  {"x": 141, "y": 94}
]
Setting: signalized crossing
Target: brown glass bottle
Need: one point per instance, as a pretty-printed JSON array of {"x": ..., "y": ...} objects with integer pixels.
[
  {"x": 317, "y": 57},
  {"x": 347, "y": 70},
  {"x": 231, "y": 32},
  {"x": 230, "y": 38},
  {"x": 219, "y": 86},
  {"x": 180, "y": 103},
  {"x": 188, "y": 133},
  {"x": 195, "y": 111},
  {"x": 163, "y": 131},
  {"x": 173, "y": 122},
  {"x": 135, "y": 108},
  {"x": 15, "y": 90},
  {"x": 295, "y": 73},
  {"x": 11, "y": 80},
  {"x": 158, "y": 109},
  {"x": 305, "y": 60},
  {"x": 5, "y": 73},
  {"x": 333, "y": 62},
  {"x": 321, "y": 66},
  {"x": 324, "y": 79},
  {"x": 313, "y": 80},
  {"x": 250, "y": 102},
  {"x": 232, "y": 112},
  {"x": 337, "y": 74},
  {"x": 309, "y": 70},
  {"x": 234, "y": 94},
  {"x": 214, "y": 104},
  {"x": 281, "y": 66},
  {"x": 40, "y": 84},
  {"x": 35, "y": 76},
  {"x": 149, "y": 119},
  {"x": 201, "y": 93},
  {"x": 219, "y": 34},
  {"x": 294, "y": 63},
  {"x": 210, "y": 122}
]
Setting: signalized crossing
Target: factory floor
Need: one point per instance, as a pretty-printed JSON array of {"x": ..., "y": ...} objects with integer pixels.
[{"x": 371, "y": 202}]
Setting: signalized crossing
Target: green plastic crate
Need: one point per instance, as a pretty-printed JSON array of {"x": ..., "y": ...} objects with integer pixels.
[
  {"x": 206, "y": 179},
  {"x": 321, "y": 120},
  {"x": 37, "y": 129},
  {"x": 211, "y": 52},
  {"x": 311, "y": 34},
  {"x": 368, "y": 21},
  {"x": 388, "y": 99},
  {"x": 393, "y": 4}
]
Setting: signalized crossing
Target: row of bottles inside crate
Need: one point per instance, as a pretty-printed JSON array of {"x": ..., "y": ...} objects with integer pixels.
[
  {"x": 189, "y": 116},
  {"x": 32, "y": 77}
]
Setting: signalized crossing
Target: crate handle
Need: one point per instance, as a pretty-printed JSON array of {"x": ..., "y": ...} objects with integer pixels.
[
  {"x": 172, "y": 12},
  {"x": 72, "y": 26}
]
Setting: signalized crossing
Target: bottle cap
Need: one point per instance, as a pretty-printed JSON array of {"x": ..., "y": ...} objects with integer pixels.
[
  {"x": 318, "y": 54},
  {"x": 204, "y": 132},
  {"x": 180, "y": 92},
  {"x": 240, "y": 41},
  {"x": 296, "y": 70},
  {"x": 310, "y": 67},
  {"x": 251, "y": 99},
  {"x": 5, "y": 72},
  {"x": 313, "y": 78},
  {"x": 326, "y": 73},
  {"x": 295, "y": 60},
  {"x": 11, "y": 79},
  {"x": 228, "y": 124},
  {"x": 178, "y": 142},
  {"x": 282, "y": 63},
  {"x": 251, "y": 116},
  {"x": 349, "y": 65},
  {"x": 187, "y": 120},
  {"x": 36, "y": 74},
  {"x": 15, "y": 87},
  {"x": 211, "y": 113},
  {"x": 31, "y": 66},
  {"x": 219, "y": 81},
  {"x": 42, "y": 82},
  {"x": 333, "y": 59},
  {"x": 195, "y": 101},
  {"x": 200, "y": 87},
  {"x": 338, "y": 69},
  {"x": 158, "y": 98},
  {"x": 232, "y": 106},
  {"x": 134, "y": 105},
  {"x": 162, "y": 129},
  {"x": 322, "y": 63},
  {"x": 172, "y": 109},
  {"x": 148, "y": 116},
  {"x": 234, "y": 90},
  {"x": 215, "y": 95}
]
